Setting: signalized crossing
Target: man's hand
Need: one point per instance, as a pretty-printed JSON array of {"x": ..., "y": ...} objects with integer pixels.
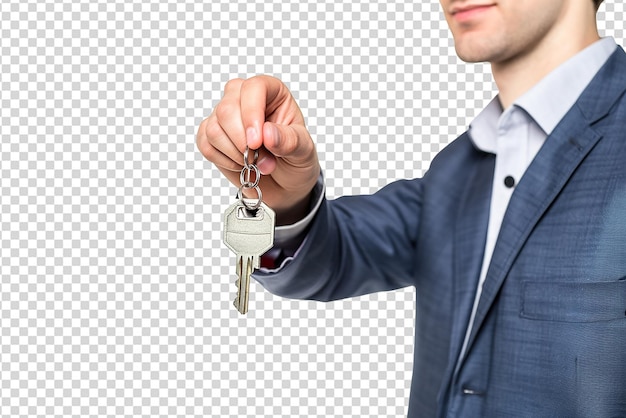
[{"x": 262, "y": 113}]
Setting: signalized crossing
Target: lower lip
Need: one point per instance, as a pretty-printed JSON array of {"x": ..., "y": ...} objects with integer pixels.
[{"x": 470, "y": 14}]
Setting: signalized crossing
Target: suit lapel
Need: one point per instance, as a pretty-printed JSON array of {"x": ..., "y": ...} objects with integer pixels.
[
  {"x": 562, "y": 153},
  {"x": 470, "y": 232}
]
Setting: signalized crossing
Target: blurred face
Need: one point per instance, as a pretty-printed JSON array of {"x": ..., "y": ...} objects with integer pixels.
[{"x": 497, "y": 31}]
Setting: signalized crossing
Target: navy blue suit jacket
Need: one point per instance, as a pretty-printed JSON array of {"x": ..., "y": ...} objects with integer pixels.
[{"x": 549, "y": 338}]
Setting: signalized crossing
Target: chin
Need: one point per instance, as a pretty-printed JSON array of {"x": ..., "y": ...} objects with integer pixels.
[
  {"x": 479, "y": 50},
  {"x": 472, "y": 56}
]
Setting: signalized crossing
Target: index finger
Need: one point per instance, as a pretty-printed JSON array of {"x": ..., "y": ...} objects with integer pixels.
[{"x": 257, "y": 96}]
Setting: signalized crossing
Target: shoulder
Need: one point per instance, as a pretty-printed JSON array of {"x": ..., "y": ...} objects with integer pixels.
[{"x": 457, "y": 158}]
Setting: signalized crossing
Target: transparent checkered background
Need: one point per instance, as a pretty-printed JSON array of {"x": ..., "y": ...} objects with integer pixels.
[{"x": 115, "y": 289}]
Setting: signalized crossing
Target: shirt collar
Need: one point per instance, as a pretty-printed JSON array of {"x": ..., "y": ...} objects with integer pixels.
[{"x": 549, "y": 100}]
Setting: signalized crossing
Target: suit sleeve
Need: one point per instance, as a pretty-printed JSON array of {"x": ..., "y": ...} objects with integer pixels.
[{"x": 356, "y": 245}]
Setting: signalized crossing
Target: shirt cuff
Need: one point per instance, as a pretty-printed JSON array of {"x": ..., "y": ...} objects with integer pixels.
[{"x": 285, "y": 234}]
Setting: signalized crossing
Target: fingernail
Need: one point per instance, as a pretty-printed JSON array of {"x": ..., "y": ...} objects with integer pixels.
[
  {"x": 252, "y": 136},
  {"x": 271, "y": 135}
]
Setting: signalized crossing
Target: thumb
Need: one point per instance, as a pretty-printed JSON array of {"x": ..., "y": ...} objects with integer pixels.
[{"x": 286, "y": 141}]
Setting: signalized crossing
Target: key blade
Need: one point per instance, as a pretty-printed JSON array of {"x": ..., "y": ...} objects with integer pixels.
[{"x": 243, "y": 288}]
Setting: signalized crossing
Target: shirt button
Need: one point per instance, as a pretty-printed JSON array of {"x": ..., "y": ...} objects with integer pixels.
[{"x": 509, "y": 181}]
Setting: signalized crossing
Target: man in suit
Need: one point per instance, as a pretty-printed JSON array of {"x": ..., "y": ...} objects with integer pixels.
[{"x": 515, "y": 239}]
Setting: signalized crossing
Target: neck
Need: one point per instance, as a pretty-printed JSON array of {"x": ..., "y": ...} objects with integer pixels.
[{"x": 516, "y": 76}]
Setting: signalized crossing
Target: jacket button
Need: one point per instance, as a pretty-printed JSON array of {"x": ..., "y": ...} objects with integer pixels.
[{"x": 468, "y": 391}]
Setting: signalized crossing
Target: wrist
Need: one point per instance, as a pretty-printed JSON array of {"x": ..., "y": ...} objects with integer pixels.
[{"x": 293, "y": 212}]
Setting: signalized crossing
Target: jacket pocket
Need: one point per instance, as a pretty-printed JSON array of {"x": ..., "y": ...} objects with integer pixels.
[{"x": 574, "y": 302}]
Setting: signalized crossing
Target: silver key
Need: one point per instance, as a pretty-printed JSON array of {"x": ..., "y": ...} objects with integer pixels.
[{"x": 249, "y": 234}]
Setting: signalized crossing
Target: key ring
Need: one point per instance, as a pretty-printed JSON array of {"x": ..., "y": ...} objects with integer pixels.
[
  {"x": 244, "y": 179},
  {"x": 245, "y": 158},
  {"x": 245, "y": 202}
]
